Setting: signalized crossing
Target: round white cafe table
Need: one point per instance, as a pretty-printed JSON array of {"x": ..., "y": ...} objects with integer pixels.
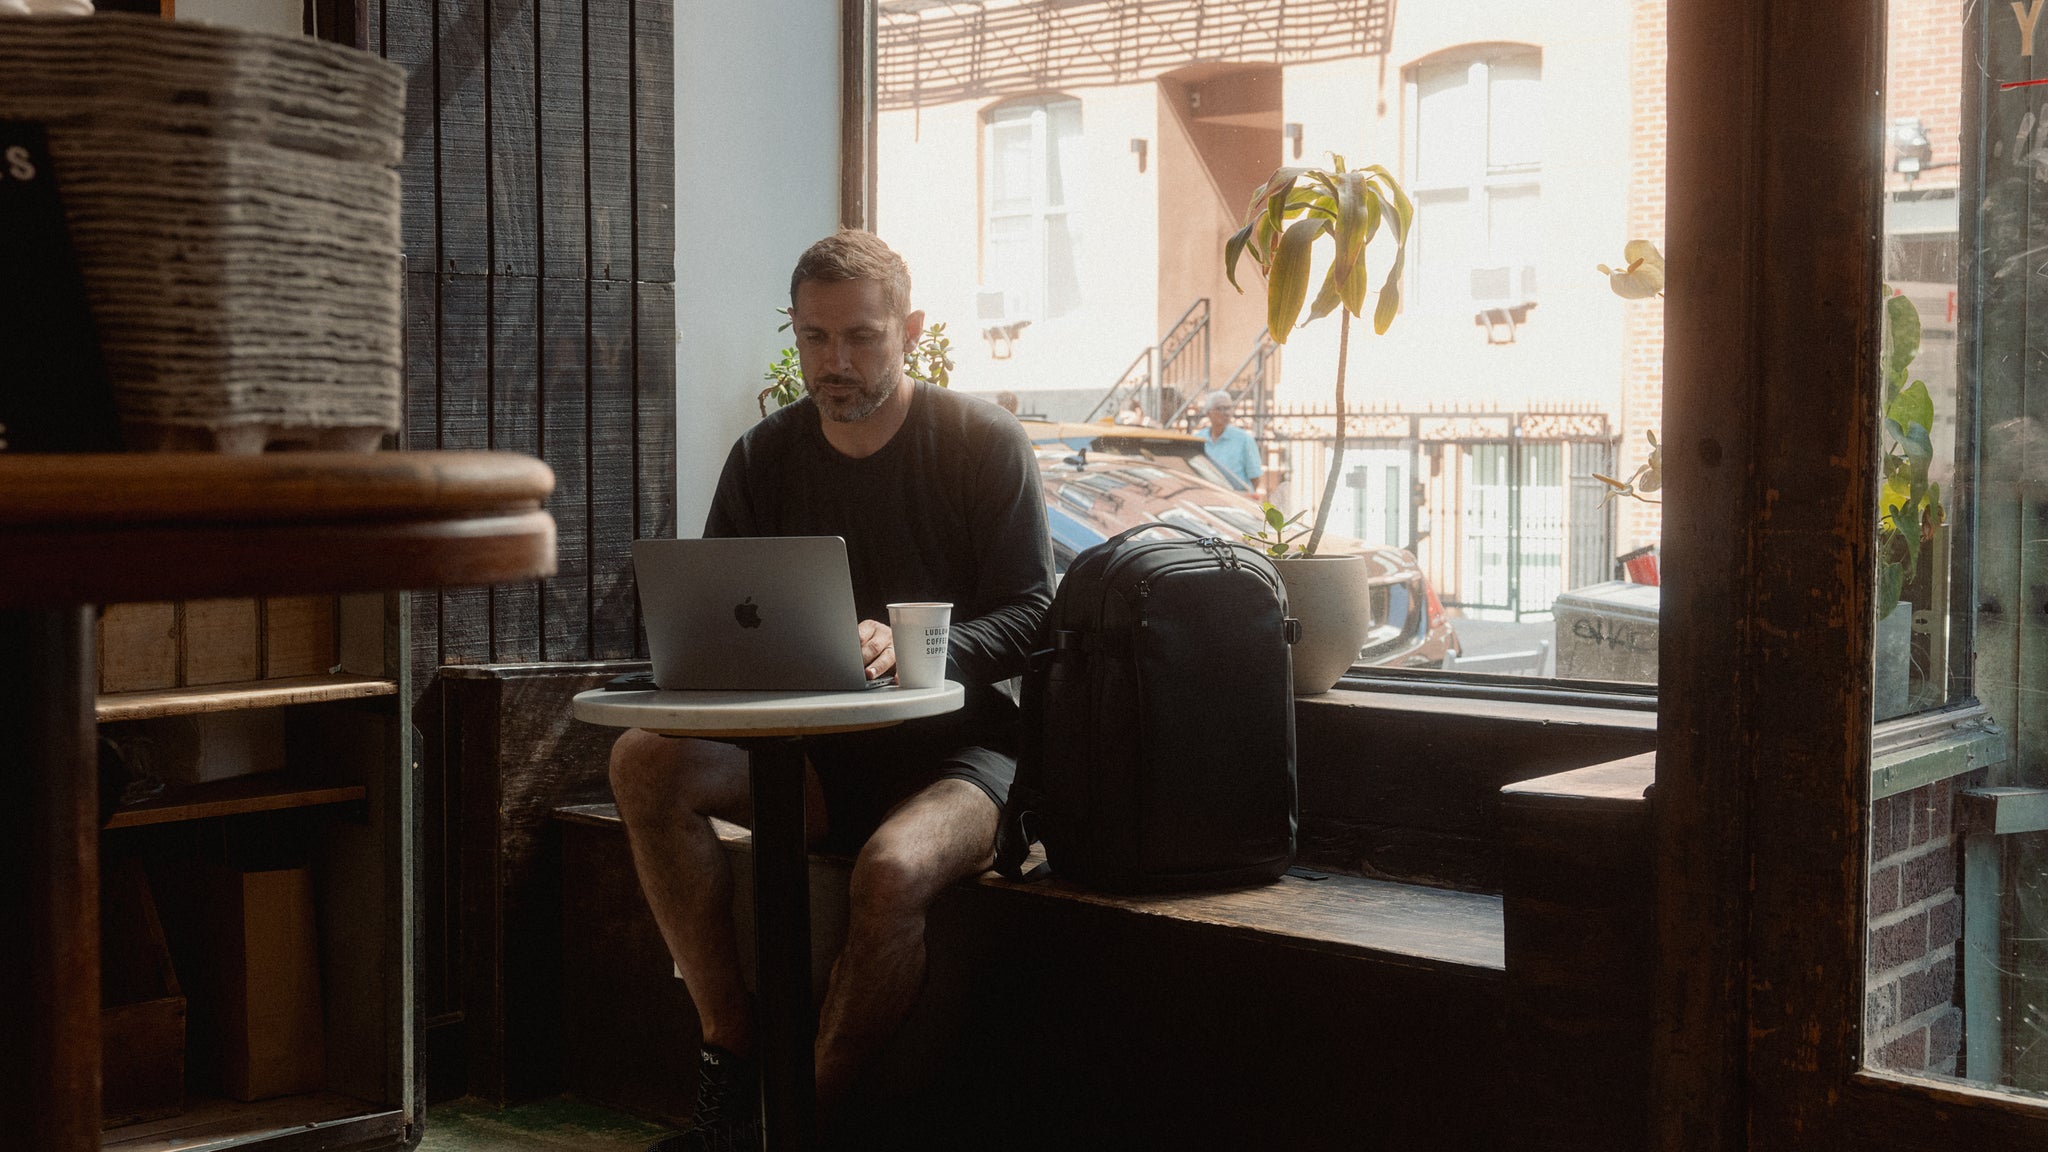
[{"x": 771, "y": 727}]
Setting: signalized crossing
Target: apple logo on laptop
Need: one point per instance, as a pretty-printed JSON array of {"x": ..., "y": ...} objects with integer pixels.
[{"x": 747, "y": 614}]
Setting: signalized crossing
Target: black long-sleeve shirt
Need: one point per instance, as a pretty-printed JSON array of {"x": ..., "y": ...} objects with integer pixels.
[{"x": 950, "y": 509}]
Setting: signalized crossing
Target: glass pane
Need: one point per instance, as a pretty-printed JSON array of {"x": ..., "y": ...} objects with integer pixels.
[
  {"x": 1062, "y": 267},
  {"x": 1064, "y": 203},
  {"x": 1514, "y": 227},
  {"x": 1062, "y": 150},
  {"x": 1514, "y": 98},
  {"x": 1010, "y": 169},
  {"x": 1445, "y": 250},
  {"x": 1450, "y": 124},
  {"x": 1956, "y": 976}
]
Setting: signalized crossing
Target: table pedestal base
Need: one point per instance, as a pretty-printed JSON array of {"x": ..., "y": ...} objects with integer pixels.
[
  {"x": 782, "y": 943},
  {"x": 770, "y": 726}
]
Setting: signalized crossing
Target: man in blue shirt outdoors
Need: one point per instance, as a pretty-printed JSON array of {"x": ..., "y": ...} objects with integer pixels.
[{"x": 1232, "y": 448}]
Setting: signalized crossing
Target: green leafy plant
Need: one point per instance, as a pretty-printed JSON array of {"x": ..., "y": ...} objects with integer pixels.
[
  {"x": 1291, "y": 212},
  {"x": 1273, "y": 538},
  {"x": 931, "y": 361},
  {"x": 1909, "y": 504}
]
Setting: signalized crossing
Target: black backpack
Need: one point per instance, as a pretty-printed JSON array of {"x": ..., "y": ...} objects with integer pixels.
[{"x": 1157, "y": 750}]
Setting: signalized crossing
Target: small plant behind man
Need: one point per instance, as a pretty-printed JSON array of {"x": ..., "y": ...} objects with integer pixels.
[{"x": 930, "y": 362}]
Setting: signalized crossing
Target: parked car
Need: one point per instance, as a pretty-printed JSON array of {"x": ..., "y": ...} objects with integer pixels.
[
  {"x": 1167, "y": 447},
  {"x": 1091, "y": 495}
]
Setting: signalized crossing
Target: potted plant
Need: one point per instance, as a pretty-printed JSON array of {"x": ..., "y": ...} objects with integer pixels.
[
  {"x": 1908, "y": 506},
  {"x": 1288, "y": 216},
  {"x": 931, "y": 361},
  {"x": 1909, "y": 502}
]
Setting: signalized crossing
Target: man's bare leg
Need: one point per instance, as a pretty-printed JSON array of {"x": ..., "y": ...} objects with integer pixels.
[
  {"x": 667, "y": 790},
  {"x": 932, "y": 839}
]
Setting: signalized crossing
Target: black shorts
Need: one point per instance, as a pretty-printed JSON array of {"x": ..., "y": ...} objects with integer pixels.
[{"x": 865, "y": 775}]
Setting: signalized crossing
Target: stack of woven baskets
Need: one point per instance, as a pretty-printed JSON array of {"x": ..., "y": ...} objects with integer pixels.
[{"x": 233, "y": 201}]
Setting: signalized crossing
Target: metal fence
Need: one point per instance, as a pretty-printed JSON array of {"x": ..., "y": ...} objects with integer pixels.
[{"x": 1501, "y": 509}]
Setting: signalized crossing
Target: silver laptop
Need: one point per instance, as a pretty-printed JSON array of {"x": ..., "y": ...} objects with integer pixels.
[{"x": 760, "y": 613}]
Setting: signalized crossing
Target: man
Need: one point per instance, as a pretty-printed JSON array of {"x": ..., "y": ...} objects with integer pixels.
[
  {"x": 1232, "y": 448},
  {"x": 938, "y": 498}
]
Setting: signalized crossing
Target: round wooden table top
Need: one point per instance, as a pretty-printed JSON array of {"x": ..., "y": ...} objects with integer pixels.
[
  {"x": 738, "y": 714},
  {"x": 103, "y": 529}
]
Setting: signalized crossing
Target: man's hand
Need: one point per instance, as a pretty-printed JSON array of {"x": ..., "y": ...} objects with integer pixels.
[{"x": 877, "y": 648}]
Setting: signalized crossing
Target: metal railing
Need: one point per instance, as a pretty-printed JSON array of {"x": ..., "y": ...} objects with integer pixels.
[
  {"x": 1254, "y": 386},
  {"x": 1167, "y": 375}
]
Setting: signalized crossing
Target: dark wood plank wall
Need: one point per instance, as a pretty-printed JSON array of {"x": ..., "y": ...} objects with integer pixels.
[
  {"x": 539, "y": 237},
  {"x": 540, "y": 318}
]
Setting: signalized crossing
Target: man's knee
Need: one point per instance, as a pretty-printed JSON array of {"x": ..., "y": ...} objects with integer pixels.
[
  {"x": 655, "y": 775},
  {"x": 938, "y": 838},
  {"x": 891, "y": 881},
  {"x": 642, "y": 769}
]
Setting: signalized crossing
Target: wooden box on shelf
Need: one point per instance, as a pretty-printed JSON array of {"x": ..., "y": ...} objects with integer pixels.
[
  {"x": 195, "y": 643},
  {"x": 262, "y": 982}
]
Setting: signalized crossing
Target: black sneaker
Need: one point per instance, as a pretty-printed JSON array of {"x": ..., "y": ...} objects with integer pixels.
[{"x": 727, "y": 1115}]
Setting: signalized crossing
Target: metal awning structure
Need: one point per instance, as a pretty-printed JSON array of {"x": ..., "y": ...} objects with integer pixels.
[{"x": 934, "y": 52}]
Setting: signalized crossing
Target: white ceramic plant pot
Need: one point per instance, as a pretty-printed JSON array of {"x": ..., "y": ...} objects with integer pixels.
[{"x": 1332, "y": 597}]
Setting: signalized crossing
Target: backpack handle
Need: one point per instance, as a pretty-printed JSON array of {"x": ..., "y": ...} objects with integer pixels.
[{"x": 1127, "y": 533}]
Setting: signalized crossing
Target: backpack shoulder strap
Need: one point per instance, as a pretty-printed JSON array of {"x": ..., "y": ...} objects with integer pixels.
[{"x": 1014, "y": 836}]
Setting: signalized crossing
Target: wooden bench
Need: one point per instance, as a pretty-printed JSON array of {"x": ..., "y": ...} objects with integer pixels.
[{"x": 1333, "y": 1012}]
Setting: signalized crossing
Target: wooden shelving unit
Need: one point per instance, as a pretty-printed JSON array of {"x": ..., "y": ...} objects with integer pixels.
[
  {"x": 83, "y": 530},
  {"x": 272, "y": 693},
  {"x": 270, "y": 792}
]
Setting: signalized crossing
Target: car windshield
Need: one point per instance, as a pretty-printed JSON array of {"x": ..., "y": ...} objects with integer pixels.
[
  {"x": 1242, "y": 519},
  {"x": 1208, "y": 470}
]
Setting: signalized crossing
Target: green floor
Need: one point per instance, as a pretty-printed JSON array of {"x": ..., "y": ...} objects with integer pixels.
[{"x": 557, "y": 1125}]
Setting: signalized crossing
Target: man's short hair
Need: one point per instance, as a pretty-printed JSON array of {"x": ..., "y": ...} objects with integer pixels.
[
  {"x": 1219, "y": 399},
  {"x": 851, "y": 254}
]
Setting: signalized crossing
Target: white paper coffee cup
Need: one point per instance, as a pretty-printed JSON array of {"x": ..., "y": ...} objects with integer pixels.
[{"x": 920, "y": 632}]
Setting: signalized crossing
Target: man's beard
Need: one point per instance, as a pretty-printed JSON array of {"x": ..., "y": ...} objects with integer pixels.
[{"x": 859, "y": 407}]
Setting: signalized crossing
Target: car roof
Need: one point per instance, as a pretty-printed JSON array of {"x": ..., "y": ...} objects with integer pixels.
[
  {"x": 1078, "y": 527},
  {"x": 1067, "y": 432}
]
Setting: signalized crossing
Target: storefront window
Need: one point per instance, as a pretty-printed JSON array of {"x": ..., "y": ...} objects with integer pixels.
[
  {"x": 1062, "y": 178},
  {"x": 1956, "y": 975}
]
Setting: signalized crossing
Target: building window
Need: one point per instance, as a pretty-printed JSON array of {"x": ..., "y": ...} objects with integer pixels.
[
  {"x": 1477, "y": 160},
  {"x": 1029, "y": 233}
]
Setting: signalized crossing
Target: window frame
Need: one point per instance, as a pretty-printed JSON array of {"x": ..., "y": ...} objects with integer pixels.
[{"x": 1765, "y": 749}]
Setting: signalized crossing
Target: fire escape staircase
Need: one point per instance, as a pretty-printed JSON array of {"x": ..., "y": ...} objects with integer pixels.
[
  {"x": 1170, "y": 379},
  {"x": 1167, "y": 375}
]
